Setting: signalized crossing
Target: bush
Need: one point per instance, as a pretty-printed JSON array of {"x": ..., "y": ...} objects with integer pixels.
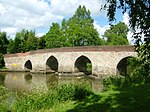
[
  {"x": 65, "y": 92},
  {"x": 89, "y": 67},
  {"x": 115, "y": 82},
  {"x": 135, "y": 79},
  {"x": 1, "y": 61},
  {"x": 73, "y": 91}
]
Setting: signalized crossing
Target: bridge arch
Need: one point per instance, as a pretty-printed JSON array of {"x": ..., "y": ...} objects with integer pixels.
[
  {"x": 52, "y": 64},
  {"x": 83, "y": 64},
  {"x": 123, "y": 67},
  {"x": 28, "y": 65}
]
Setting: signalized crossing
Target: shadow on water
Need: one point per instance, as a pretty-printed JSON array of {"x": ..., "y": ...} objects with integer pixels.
[{"x": 28, "y": 82}]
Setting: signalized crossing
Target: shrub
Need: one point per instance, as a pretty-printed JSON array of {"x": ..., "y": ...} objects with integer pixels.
[
  {"x": 73, "y": 91},
  {"x": 1, "y": 61}
]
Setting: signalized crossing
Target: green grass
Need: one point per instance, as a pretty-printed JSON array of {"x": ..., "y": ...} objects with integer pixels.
[
  {"x": 60, "y": 107},
  {"x": 132, "y": 99}
]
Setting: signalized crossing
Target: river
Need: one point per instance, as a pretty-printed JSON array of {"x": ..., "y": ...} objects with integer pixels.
[{"x": 18, "y": 81}]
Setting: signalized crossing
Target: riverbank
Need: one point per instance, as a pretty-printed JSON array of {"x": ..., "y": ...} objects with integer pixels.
[
  {"x": 78, "y": 97},
  {"x": 132, "y": 99}
]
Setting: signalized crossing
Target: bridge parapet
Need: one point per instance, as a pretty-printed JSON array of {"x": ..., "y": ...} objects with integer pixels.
[{"x": 77, "y": 49}]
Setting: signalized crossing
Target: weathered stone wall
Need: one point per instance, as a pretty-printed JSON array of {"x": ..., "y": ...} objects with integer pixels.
[{"x": 104, "y": 59}]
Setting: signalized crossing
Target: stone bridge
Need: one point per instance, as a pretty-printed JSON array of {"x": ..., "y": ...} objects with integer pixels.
[{"x": 96, "y": 60}]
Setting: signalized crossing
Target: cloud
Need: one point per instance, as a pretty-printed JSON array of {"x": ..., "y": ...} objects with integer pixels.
[
  {"x": 10, "y": 30},
  {"x": 130, "y": 33},
  {"x": 39, "y": 14},
  {"x": 40, "y": 34},
  {"x": 126, "y": 18},
  {"x": 100, "y": 29},
  {"x": 68, "y": 7},
  {"x": 26, "y": 14}
]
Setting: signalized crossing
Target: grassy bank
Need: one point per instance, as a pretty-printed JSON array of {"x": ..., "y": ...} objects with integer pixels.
[
  {"x": 118, "y": 96},
  {"x": 132, "y": 99}
]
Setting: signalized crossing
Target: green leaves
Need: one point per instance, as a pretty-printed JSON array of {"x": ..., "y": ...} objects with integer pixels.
[
  {"x": 117, "y": 34},
  {"x": 53, "y": 37},
  {"x": 76, "y": 31},
  {"x": 3, "y": 47},
  {"x": 1, "y": 60},
  {"x": 139, "y": 21},
  {"x": 3, "y": 42},
  {"x": 25, "y": 41}
]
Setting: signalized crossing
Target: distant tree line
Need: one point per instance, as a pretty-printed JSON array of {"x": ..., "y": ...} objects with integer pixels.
[{"x": 76, "y": 31}]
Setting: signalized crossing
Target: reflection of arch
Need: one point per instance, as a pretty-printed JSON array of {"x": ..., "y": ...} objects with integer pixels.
[
  {"x": 28, "y": 65},
  {"x": 51, "y": 81},
  {"x": 122, "y": 67},
  {"x": 28, "y": 78},
  {"x": 52, "y": 64},
  {"x": 83, "y": 64}
]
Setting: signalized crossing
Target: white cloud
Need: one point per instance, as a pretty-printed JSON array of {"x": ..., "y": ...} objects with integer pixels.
[
  {"x": 126, "y": 19},
  {"x": 130, "y": 33},
  {"x": 40, "y": 34},
  {"x": 68, "y": 7},
  {"x": 21, "y": 14},
  {"x": 100, "y": 29},
  {"x": 37, "y": 14},
  {"x": 10, "y": 30}
]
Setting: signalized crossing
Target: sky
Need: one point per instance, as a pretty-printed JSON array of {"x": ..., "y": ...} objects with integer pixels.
[{"x": 38, "y": 15}]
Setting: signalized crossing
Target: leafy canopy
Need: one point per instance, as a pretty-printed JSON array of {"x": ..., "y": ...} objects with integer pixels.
[
  {"x": 3, "y": 47},
  {"x": 139, "y": 20},
  {"x": 76, "y": 31},
  {"x": 117, "y": 34},
  {"x": 24, "y": 41}
]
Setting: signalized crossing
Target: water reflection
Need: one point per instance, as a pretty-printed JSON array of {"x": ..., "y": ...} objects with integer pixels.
[
  {"x": 16, "y": 81},
  {"x": 28, "y": 82},
  {"x": 28, "y": 78}
]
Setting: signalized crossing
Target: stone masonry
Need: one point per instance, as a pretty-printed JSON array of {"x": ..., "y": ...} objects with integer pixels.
[{"x": 104, "y": 59}]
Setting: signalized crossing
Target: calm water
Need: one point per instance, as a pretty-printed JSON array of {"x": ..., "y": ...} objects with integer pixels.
[{"x": 27, "y": 81}]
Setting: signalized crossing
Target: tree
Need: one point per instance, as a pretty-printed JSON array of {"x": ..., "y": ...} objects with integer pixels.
[
  {"x": 81, "y": 31},
  {"x": 139, "y": 20},
  {"x": 31, "y": 41},
  {"x": 77, "y": 31},
  {"x": 52, "y": 38},
  {"x": 2, "y": 64},
  {"x": 65, "y": 35},
  {"x": 41, "y": 42},
  {"x": 3, "y": 47},
  {"x": 24, "y": 41},
  {"x": 3, "y": 42},
  {"x": 117, "y": 34}
]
